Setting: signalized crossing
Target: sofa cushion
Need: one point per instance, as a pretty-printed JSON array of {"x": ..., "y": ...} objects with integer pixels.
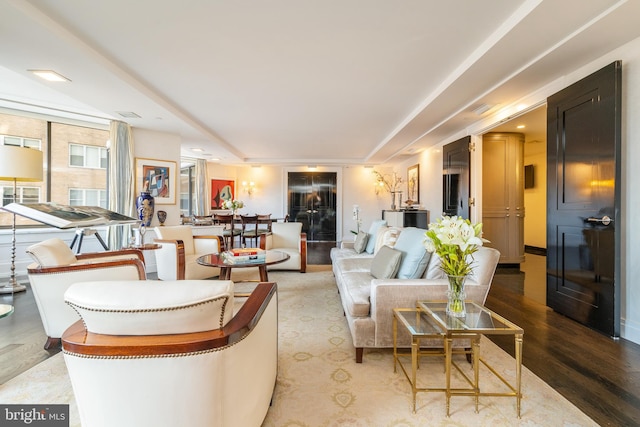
[
  {"x": 354, "y": 264},
  {"x": 361, "y": 242},
  {"x": 415, "y": 256},
  {"x": 387, "y": 236},
  {"x": 52, "y": 253},
  {"x": 385, "y": 263},
  {"x": 373, "y": 234}
]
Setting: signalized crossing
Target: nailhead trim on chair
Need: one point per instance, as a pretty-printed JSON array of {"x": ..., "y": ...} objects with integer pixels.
[{"x": 150, "y": 310}]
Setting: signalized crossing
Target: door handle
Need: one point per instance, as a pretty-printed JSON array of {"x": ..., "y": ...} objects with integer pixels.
[{"x": 605, "y": 220}]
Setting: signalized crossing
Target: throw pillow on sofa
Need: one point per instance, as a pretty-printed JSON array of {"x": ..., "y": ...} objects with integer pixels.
[
  {"x": 361, "y": 242},
  {"x": 415, "y": 257},
  {"x": 373, "y": 234},
  {"x": 385, "y": 263}
]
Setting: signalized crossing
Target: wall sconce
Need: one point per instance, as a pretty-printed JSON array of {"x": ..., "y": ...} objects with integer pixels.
[{"x": 248, "y": 187}]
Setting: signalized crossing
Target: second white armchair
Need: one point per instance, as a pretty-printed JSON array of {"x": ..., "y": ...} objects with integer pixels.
[{"x": 176, "y": 259}]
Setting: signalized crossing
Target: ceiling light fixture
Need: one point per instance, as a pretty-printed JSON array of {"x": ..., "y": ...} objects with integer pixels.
[
  {"x": 128, "y": 114},
  {"x": 197, "y": 150},
  {"x": 520, "y": 126},
  {"x": 50, "y": 75},
  {"x": 481, "y": 109}
]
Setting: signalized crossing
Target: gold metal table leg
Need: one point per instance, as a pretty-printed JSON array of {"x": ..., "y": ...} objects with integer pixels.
[
  {"x": 447, "y": 349},
  {"x": 518, "y": 351},
  {"x": 475, "y": 348},
  {"x": 415, "y": 347}
]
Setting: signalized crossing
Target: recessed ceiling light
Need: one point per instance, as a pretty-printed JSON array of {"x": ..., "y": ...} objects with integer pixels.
[
  {"x": 521, "y": 126},
  {"x": 50, "y": 75},
  {"x": 197, "y": 150}
]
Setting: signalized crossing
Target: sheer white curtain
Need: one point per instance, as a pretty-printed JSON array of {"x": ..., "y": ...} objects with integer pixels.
[
  {"x": 201, "y": 188},
  {"x": 121, "y": 181}
]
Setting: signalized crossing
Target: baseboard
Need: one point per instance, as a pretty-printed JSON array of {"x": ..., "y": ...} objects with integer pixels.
[
  {"x": 533, "y": 250},
  {"x": 630, "y": 330}
]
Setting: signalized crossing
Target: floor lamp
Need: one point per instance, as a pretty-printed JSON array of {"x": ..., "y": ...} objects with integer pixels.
[{"x": 18, "y": 164}]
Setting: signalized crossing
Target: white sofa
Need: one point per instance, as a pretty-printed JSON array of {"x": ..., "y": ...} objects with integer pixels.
[
  {"x": 171, "y": 353},
  {"x": 368, "y": 302}
]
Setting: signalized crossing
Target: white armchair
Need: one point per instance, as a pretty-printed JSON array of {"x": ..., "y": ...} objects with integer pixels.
[
  {"x": 176, "y": 259},
  {"x": 56, "y": 268},
  {"x": 173, "y": 353},
  {"x": 289, "y": 238}
]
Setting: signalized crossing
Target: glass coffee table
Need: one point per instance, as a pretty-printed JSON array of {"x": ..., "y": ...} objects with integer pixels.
[
  {"x": 218, "y": 260},
  {"x": 430, "y": 321}
]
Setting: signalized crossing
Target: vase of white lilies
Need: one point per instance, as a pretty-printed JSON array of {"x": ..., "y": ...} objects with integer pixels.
[{"x": 455, "y": 240}]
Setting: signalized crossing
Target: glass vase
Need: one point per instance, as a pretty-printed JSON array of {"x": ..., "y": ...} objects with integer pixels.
[{"x": 455, "y": 296}]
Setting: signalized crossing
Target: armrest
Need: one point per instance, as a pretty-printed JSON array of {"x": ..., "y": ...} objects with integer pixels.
[
  {"x": 78, "y": 341},
  {"x": 136, "y": 263},
  {"x": 303, "y": 252},
  {"x": 171, "y": 256},
  {"x": 387, "y": 294},
  {"x": 266, "y": 240},
  {"x": 347, "y": 245}
]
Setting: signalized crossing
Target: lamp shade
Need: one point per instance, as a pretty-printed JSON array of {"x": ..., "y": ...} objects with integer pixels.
[{"x": 20, "y": 163}]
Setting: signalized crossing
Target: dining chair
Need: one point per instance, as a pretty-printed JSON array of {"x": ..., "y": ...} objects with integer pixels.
[
  {"x": 264, "y": 223},
  {"x": 250, "y": 229},
  {"x": 230, "y": 231}
]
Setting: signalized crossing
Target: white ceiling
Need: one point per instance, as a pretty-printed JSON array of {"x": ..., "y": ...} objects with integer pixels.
[{"x": 299, "y": 81}]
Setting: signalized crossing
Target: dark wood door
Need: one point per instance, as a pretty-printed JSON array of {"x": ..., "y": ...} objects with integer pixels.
[
  {"x": 312, "y": 201},
  {"x": 456, "y": 178},
  {"x": 583, "y": 200}
]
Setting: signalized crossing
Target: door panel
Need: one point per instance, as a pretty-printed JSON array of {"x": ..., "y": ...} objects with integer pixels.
[
  {"x": 312, "y": 201},
  {"x": 455, "y": 178},
  {"x": 583, "y": 200}
]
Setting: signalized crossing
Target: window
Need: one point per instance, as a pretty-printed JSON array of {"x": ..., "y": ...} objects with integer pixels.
[
  {"x": 88, "y": 197},
  {"x": 187, "y": 185},
  {"x": 86, "y": 156},
  {"x": 20, "y": 142},
  {"x": 75, "y": 171},
  {"x": 23, "y": 194}
]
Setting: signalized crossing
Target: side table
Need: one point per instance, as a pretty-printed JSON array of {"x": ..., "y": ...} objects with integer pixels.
[{"x": 430, "y": 321}]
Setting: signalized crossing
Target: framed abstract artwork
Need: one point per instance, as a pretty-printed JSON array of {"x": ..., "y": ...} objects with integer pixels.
[
  {"x": 158, "y": 177},
  {"x": 221, "y": 190},
  {"x": 413, "y": 184}
]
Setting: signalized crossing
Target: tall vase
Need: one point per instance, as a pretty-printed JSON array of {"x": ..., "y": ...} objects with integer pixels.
[
  {"x": 393, "y": 200},
  {"x": 455, "y": 296},
  {"x": 145, "y": 204}
]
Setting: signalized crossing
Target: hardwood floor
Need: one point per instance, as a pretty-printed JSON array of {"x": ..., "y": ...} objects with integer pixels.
[{"x": 599, "y": 375}]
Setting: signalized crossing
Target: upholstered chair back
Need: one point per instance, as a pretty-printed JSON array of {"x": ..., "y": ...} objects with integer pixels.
[
  {"x": 177, "y": 232},
  {"x": 171, "y": 353},
  {"x": 286, "y": 234}
]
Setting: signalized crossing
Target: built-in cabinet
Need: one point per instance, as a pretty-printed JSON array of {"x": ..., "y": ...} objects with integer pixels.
[
  {"x": 503, "y": 194},
  {"x": 407, "y": 218}
]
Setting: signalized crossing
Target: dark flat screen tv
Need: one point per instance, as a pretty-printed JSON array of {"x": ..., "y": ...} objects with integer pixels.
[{"x": 529, "y": 181}]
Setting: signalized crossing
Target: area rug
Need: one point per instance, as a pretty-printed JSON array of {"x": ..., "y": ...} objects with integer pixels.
[{"x": 319, "y": 383}]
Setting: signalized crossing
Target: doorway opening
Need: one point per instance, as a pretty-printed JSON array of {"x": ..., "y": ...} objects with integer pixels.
[{"x": 533, "y": 125}]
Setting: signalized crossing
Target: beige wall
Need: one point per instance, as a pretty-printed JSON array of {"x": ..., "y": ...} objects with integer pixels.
[{"x": 535, "y": 199}]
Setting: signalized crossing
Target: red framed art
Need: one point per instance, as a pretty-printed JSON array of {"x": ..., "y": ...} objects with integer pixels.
[{"x": 221, "y": 190}]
